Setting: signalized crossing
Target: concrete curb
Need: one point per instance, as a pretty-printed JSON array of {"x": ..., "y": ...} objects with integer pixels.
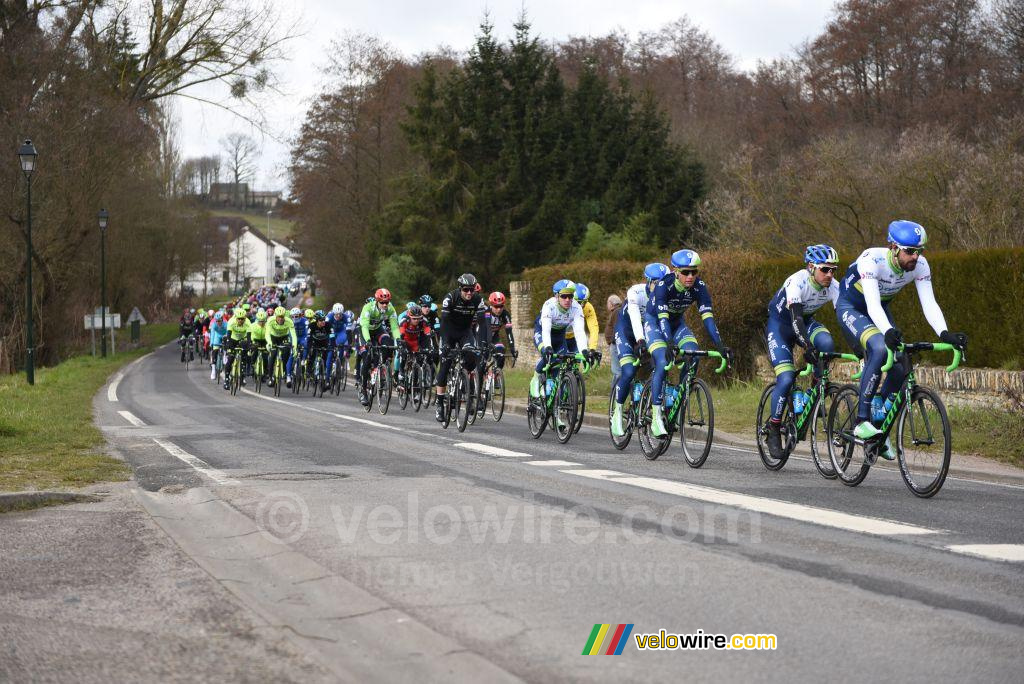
[
  {"x": 1004, "y": 476},
  {"x": 20, "y": 501}
]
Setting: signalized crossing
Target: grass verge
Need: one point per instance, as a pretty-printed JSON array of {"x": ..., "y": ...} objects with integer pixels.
[
  {"x": 47, "y": 435},
  {"x": 991, "y": 433}
]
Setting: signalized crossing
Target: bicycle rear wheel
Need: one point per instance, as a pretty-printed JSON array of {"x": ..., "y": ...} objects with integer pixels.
[
  {"x": 566, "y": 404},
  {"x": 652, "y": 446},
  {"x": 924, "y": 443},
  {"x": 498, "y": 394},
  {"x": 581, "y": 400},
  {"x": 848, "y": 459},
  {"x": 697, "y": 424},
  {"x": 537, "y": 413},
  {"x": 622, "y": 442}
]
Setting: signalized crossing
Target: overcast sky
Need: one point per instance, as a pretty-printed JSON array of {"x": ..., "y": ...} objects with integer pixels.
[{"x": 751, "y": 30}]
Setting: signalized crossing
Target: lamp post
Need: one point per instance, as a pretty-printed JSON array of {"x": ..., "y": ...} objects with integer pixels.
[
  {"x": 238, "y": 254},
  {"x": 270, "y": 254},
  {"x": 103, "y": 218},
  {"x": 27, "y": 155}
]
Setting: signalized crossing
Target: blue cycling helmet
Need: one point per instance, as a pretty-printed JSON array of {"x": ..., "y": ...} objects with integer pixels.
[
  {"x": 820, "y": 254},
  {"x": 907, "y": 234},
  {"x": 582, "y": 293},
  {"x": 655, "y": 271},
  {"x": 564, "y": 286},
  {"x": 412, "y": 305},
  {"x": 685, "y": 258},
  {"x": 426, "y": 300}
]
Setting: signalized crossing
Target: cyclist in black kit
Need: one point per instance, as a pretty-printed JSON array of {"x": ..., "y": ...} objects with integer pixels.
[{"x": 463, "y": 326}]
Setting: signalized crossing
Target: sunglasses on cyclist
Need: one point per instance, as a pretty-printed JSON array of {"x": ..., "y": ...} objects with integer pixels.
[
  {"x": 685, "y": 272},
  {"x": 466, "y": 289},
  {"x": 565, "y": 296},
  {"x": 827, "y": 269},
  {"x": 912, "y": 251}
]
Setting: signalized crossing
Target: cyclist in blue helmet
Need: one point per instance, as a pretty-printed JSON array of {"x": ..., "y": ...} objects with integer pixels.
[
  {"x": 630, "y": 339},
  {"x": 558, "y": 314},
  {"x": 865, "y": 292},
  {"x": 589, "y": 316},
  {"x": 791, "y": 322},
  {"x": 665, "y": 327}
]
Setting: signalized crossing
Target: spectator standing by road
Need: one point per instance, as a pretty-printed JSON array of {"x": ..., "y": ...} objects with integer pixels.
[{"x": 614, "y": 306}]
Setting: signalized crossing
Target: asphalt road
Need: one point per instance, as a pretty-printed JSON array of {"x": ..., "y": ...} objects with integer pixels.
[{"x": 388, "y": 548}]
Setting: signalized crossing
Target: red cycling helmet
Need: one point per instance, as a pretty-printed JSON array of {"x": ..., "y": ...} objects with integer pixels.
[
  {"x": 476, "y": 288},
  {"x": 382, "y": 295},
  {"x": 496, "y": 299}
]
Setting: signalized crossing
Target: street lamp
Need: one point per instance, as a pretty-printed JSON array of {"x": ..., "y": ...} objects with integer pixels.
[
  {"x": 103, "y": 217},
  {"x": 27, "y": 155},
  {"x": 270, "y": 254}
]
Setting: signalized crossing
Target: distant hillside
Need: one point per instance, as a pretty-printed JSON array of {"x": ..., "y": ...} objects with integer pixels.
[{"x": 279, "y": 227}]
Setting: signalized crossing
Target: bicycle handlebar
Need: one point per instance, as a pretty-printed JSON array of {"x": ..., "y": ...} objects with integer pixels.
[
  {"x": 699, "y": 352},
  {"x": 828, "y": 356},
  {"x": 925, "y": 346}
]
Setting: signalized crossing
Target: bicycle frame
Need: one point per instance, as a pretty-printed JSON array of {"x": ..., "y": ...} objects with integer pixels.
[{"x": 903, "y": 394}]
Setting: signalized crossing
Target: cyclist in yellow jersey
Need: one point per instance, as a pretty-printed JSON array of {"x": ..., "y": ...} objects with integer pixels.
[
  {"x": 589, "y": 317},
  {"x": 238, "y": 336},
  {"x": 258, "y": 338},
  {"x": 281, "y": 329}
]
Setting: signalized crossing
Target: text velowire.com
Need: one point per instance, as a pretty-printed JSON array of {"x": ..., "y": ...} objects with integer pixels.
[{"x": 701, "y": 641}]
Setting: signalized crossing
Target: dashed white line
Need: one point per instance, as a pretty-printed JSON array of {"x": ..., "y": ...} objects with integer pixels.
[
  {"x": 1013, "y": 553},
  {"x": 553, "y": 463},
  {"x": 492, "y": 450},
  {"x": 782, "y": 509},
  {"x": 132, "y": 418},
  {"x": 200, "y": 465}
]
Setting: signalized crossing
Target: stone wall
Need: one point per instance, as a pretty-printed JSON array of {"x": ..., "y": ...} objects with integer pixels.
[{"x": 522, "y": 322}]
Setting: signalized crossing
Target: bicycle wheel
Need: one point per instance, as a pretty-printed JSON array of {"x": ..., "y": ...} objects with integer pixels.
[
  {"x": 236, "y": 376},
  {"x": 819, "y": 432},
  {"x": 848, "y": 460},
  {"x": 924, "y": 441},
  {"x": 483, "y": 394},
  {"x": 343, "y": 374},
  {"x": 370, "y": 389},
  {"x": 188, "y": 360},
  {"x": 697, "y": 424},
  {"x": 449, "y": 399},
  {"x": 652, "y": 446},
  {"x": 383, "y": 389},
  {"x": 536, "y": 415},
  {"x": 257, "y": 376},
  {"x": 403, "y": 391},
  {"x": 622, "y": 442},
  {"x": 461, "y": 401},
  {"x": 764, "y": 411},
  {"x": 472, "y": 396},
  {"x": 416, "y": 387},
  {"x": 278, "y": 375},
  {"x": 581, "y": 400},
  {"x": 564, "y": 411},
  {"x": 498, "y": 394}
]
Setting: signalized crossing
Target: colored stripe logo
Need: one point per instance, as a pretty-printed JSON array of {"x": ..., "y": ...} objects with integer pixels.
[{"x": 616, "y": 642}]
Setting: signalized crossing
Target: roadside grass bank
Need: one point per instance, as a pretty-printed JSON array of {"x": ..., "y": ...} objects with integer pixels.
[
  {"x": 987, "y": 432},
  {"x": 47, "y": 436}
]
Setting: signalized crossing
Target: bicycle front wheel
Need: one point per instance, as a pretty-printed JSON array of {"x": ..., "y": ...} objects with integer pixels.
[
  {"x": 498, "y": 395},
  {"x": 819, "y": 432},
  {"x": 622, "y": 442},
  {"x": 383, "y": 389},
  {"x": 848, "y": 459},
  {"x": 461, "y": 407},
  {"x": 566, "y": 405},
  {"x": 764, "y": 414},
  {"x": 924, "y": 439},
  {"x": 697, "y": 424},
  {"x": 581, "y": 400},
  {"x": 652, "y": 446}
]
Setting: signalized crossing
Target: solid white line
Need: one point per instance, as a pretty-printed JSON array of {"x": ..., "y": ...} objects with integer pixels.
[
  {"x": 492, "y": 450},
  {"x": 112, "y": 389},
  {"x": 132, "y": 418},
  {"x": 1013, "y": 553},
  {"x": 202, "y": 466},
  {"x": 364, "y": 421},
  {"x": 782, "y": 509},
  {"x": 552, "y": 463}
]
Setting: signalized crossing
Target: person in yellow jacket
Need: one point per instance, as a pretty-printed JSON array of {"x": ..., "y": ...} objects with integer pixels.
[{"x": 589, "y": 316}]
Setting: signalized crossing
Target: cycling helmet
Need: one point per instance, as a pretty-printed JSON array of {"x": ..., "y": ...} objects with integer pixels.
[
  {"x": 655, "y": 271},
  {"x": 279, "y": 311},
  {"x": 210, "y": 313},
  {"x": 296, "y": 311},
  {"x": 426, "y": 300},
  {"x": 261, "y": 316},
  {"x": 309, "y": 313},
  {"x": 564, "y": 286},
  {"x": 467, "y": 280},
  {"x": 685, "y": 258},
  {"x": 415, "y": 314},
  {"x": 218, "y": 317},
  {"x": 496, "y": 299},
  {"x": 382, "y": 295},
  {"x": 320, "y": 316},
  {"x": 820, "y": 254},
  {"x": 582, "y": 293},
  {"x": 239, "y": 312},
  {"x": 247, "y": 306},
  {"x": 907, "y": 234},
  {"x": 192, "y": 311},
  {"x": 477, "y": 288},
  {"x": 185, "y": 312},
  {"x": 337, "y": 309}
]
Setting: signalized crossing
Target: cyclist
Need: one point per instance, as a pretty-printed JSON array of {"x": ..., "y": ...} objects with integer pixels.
[
  {"x": 630, "y": 341},
  {"x": 589, "y": 316},
  {"x": 281, "y": 328},
  {"x": 301, "y": 327},
  {"x": 319, "y": 343},
  {"x": 185, "y": 327},
  {"x": 258, "y": 341},
  {"x": 870, "y": 283},
  {"x": 378, "y": 325},
  {"x": 498, "y": 319},
  {"x": 665, "y": 326},
  {"x": 790, "y": 322},
  {"x": 339, "y": 333},
  {"x": 558, "y": 314},
  {"x": 238, "y": 336},
  {"x": 414, "y": 333},
  {"x": 462, "y": 327},
  {"x": 218, "y": 329}
]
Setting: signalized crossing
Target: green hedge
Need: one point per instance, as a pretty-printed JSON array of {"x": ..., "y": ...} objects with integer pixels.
[{"x": 980, "y": 292}]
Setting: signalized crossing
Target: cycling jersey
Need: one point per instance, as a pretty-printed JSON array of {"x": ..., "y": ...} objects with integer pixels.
[
  {"x": 801, "y": 288},
  {"x": 553, "y": 318},
  {"x": 277, "y": 332},
  {"x": 217, "y": 333},
  {"x": 875, "y": 278},
  {"x": 668, "y": 303},
  {"x": 593, "y": 329},
  {"x": 372, "y": 318},
  {"x": 238, "y": 329},
  {"x": 319, "y": 336},
  {"x": 497, "y": 323},
  {"x": 460, "y": 314},
  {"x": 258, "y": 334},
  {"x": 413, "y": 332}
]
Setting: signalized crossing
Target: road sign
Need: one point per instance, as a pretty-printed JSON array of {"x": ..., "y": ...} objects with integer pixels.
[
  {"x": 95, "y": 321},
  {"x": 136, "y": 315}
]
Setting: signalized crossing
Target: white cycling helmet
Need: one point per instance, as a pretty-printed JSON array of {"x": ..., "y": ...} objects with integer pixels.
[{"x": 337, "y": 309}]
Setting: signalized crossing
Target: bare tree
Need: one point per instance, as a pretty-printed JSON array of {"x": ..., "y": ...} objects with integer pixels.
[{"x": 240, "y": 152}]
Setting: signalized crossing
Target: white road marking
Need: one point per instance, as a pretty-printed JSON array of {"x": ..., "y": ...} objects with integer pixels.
[
  {"x": 200, "y": 465},
  {"x": 1013, "y": 553},
  {"x": 132, "y": 418},
  {"x": 112, "y": 389},
  {"x": 760, "y": 504},
  {"x": 492, "y": 450},
  {"x": 364, "y": 421},
  {"x": 552, "y": 463}
]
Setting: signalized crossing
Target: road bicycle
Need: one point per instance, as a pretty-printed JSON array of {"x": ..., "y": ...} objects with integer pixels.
[
  {"x": 630, "y": 407},
  {"x": 420, "y": 388},
  {"x": 923, "y": 432},
  {"x": 298, "y": 371},
  {"x": 378, "y": 378},
  {"x": 688, "y": 409},
  {"x": 278, "y": 364},
  {"x": 799, "y": 419},
  {"x": 559, "y": 400},
  {"x": 459, "y": 389},
  {"x": 339, "y": 370},
  {"x": 492, "y": 388},
  {"x": 187, "y": 350},
  {"x": 236, "y": 355},
  {"x": 316, "y": 377},
  {"x": 258, "y": 370}
]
